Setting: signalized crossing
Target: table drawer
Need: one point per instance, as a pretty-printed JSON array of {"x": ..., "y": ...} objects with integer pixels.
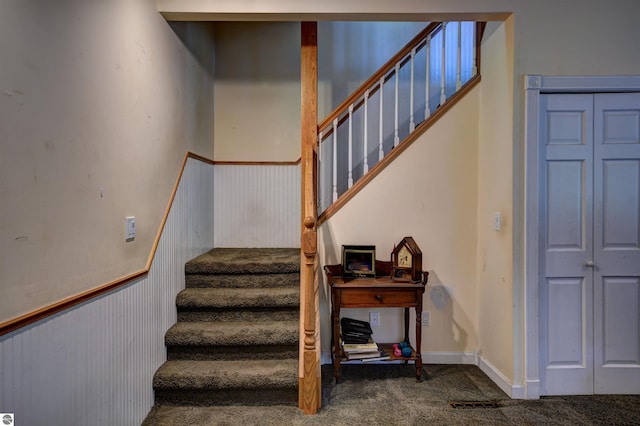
[{"x": 368, "y": 297}]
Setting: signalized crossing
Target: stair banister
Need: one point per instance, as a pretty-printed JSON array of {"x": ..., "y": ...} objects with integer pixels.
[
  {"x": 377, "y": 76},
  {"x": 343, "y": 175}
]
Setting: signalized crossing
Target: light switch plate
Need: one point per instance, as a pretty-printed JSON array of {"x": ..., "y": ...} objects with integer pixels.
[{"x": 130, "y": 228}]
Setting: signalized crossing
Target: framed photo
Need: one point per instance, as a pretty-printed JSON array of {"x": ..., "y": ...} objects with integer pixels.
[{"x": 358, "y": 261}]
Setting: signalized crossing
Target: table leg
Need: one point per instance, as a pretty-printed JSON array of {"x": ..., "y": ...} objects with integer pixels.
[
  {"x": 419, "y": 339},
  {"x": 335, "y": 332}
]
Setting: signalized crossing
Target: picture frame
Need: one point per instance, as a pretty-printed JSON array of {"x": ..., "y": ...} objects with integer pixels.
[{"x": 359, "y": 261}]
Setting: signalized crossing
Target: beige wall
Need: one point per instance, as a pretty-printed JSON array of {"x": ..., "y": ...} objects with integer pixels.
[
  {"x": 99, "y": 102},
  {"x": 495, "y": 195},
  {"x": 430, "y": 193},
  {"x": 257, "y": 91}
]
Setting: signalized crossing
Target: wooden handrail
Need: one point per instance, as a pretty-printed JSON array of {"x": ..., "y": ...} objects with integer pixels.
[
  {"x": 382, "y": 71},
  {"x": 69, "y": 302}
]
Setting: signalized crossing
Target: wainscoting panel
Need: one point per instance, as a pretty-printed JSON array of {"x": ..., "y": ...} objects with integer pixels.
[
  {"x": 94, "y": 364},
  {"x": 257, "y": 206}
]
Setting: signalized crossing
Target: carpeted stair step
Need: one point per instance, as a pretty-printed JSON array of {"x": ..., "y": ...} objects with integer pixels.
[
  {"x": 229, "y": 261},
  {"x": 264, "y": 382},
  {"x": 238, "y": 304},
  {"x": 291, "y": 279},
  {"x": 233, "y": 340}
]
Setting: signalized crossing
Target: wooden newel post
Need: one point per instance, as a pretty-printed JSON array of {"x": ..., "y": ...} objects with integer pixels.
[{"x": 309, "y": 394}]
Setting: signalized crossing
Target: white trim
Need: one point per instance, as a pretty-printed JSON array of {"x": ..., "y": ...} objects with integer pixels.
[
  {"x": 534, "y": 85},
  {"x": 512, "y": 390},
  {"x": 582, "y": 84}
]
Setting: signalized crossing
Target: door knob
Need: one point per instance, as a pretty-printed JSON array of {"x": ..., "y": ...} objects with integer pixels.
[{"x": 589, "y": 263}]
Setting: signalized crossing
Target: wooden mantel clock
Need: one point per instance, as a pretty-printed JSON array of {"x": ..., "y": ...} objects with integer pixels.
[{"x": 406, "y": 261}]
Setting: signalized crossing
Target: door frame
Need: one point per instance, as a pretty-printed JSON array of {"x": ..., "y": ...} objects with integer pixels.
[{"x": 534, "y": 85}]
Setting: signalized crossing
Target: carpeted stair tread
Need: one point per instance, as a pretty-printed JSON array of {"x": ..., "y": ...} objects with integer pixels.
[
  {"x": 227, "y": 298},
  {"x": 246, "y": 261},
  {"x": 233, "y": 333},
  {"x": 227, "y": 375}
]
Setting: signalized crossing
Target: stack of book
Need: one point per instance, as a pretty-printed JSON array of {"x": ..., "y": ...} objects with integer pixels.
[
  {"x": 355, "y": 331},
  {"x": 364, "y": 351},
  {"x": 357, "y": 342}
]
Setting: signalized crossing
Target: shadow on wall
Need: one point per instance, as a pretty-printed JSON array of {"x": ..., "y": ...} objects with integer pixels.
[
  {"x": 327, "y": 256},
  {"x": 440, "y": 301},
  {"x": 191, "y": 34}
]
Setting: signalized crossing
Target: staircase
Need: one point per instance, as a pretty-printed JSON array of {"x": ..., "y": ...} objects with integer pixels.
[{"x": 236, "y": 339}]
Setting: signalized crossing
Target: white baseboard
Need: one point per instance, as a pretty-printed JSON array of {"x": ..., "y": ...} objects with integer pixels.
[
  {"x": 513, "y": 390},
  {"x": 532, "y": 390}
]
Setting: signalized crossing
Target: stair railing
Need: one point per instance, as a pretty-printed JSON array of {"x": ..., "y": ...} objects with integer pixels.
[{"x": 403, "y": 94}]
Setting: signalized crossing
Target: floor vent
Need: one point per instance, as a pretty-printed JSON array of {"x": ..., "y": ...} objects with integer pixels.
[{"x": 474, "y": 404}]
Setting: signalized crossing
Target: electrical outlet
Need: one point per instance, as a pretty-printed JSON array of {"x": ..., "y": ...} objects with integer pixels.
[
  {"x": 426, "y": 318},
  {"x": 374, "y": 319}
]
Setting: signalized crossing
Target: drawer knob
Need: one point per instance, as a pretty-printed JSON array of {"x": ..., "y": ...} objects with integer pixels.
[{"x": 379, "y": 298}]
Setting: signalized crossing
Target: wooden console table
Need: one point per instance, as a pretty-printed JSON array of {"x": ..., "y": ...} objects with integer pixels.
[{"x": 378, "y": 292}]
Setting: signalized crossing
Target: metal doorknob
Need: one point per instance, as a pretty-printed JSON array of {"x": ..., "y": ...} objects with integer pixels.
[{"x": 589, "y": 263}]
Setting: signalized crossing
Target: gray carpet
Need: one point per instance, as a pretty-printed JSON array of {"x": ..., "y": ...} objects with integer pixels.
[{"x": 389, "y": 395}]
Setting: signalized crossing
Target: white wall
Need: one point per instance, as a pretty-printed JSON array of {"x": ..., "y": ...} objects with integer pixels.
[
  {"x": 94, "y": 363},
  {"x": 257, "y": 206},
  {"x": 99, "y": 101}
]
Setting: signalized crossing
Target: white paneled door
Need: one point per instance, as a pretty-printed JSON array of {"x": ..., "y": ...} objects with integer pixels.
[{"x": 590, "y": 243}]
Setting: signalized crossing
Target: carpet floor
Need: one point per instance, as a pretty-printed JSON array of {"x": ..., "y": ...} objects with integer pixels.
[{"x": 378, "y": 394}]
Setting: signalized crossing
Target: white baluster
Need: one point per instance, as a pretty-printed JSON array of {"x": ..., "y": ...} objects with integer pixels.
[
  {"x": 335, "y": 159},
  {"x": 350, "y": 178},
  {"x": 365, "y": 164},
  {"x": 427, "y": 110},
  {"x": 380, "y": 137},
  {"x": 443, "y": 96},
  {"x": 458, "y": 81},
  {"x": 474, "y": 66},
  {"x": 412, "y": 123},
  {"x": 396, "y": 139}
]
